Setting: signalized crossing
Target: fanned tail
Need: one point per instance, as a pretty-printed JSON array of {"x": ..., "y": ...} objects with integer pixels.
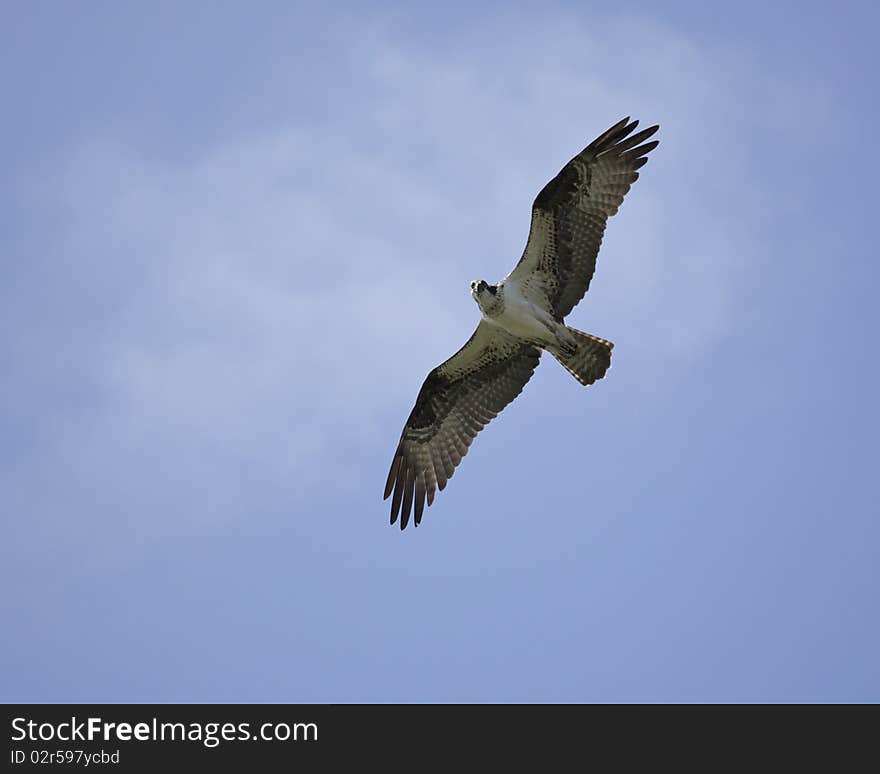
[{"x": 589, "y": 362}]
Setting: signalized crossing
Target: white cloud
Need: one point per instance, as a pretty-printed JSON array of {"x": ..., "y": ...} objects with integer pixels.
[{"x": 284, "y": 292}]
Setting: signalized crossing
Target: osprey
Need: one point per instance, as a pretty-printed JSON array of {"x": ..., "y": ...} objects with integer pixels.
[{"x": 521, "y": 316}]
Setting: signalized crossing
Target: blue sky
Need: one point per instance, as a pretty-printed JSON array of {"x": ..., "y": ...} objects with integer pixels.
[{"x": 236, "y": 238}]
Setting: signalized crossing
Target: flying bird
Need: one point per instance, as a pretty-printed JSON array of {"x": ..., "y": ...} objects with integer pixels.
[{"x": 521, "y": 316}]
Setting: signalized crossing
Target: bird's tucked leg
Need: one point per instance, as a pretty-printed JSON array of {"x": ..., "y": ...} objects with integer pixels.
[{"x": 567, "y": 344}]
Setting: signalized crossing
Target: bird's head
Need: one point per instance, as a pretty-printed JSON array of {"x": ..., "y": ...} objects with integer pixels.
[{"x": 483, "y": 293}]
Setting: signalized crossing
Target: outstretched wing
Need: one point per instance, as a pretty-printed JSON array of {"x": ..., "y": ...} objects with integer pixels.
[
  {"x": 458, "y": 399},
  {"x": 569, "y": 216}
]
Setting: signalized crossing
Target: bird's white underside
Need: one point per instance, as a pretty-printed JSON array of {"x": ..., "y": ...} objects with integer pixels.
[{"x": 525, "y": 316}]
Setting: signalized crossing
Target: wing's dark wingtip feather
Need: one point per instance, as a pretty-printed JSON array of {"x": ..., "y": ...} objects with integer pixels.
[
  {"x": 612, "y": 134},
  {"x": 641, "y": 150},
  {"x": 398, "y": 491},
  {"x": 408, "y": 492},
  {"x": 618, "y": 141},
  {"x": 421, "y": 491},
  {"x": 624, "y": 145},
  {"x": 392, "y": 474}
]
